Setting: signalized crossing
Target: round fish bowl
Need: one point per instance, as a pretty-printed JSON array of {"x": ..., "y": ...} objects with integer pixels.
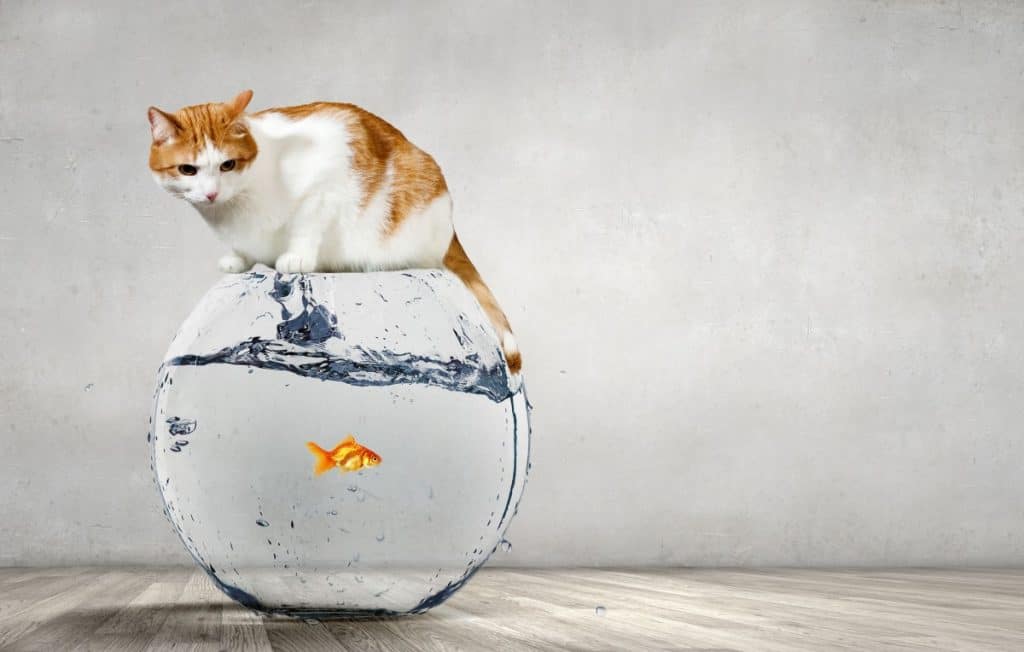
[{"x": 339, "y": 445}]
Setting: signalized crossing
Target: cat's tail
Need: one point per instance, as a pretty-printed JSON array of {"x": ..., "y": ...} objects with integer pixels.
[{"x": 459, "y": 264}]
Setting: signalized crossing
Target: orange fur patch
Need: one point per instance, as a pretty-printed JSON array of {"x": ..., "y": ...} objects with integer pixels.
[
  {"x": 456, "y": 261},
  {"x": 416, "y": 178},
  {"x": 217, "y": 124}
]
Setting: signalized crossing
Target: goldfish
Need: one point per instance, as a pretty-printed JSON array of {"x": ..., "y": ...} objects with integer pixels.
[{"x": 347, "y": 456}]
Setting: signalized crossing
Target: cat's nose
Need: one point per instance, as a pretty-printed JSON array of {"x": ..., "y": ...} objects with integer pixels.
[{"x": 211, "y": 196}]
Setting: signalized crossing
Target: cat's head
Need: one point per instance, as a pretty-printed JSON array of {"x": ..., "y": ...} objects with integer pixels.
[{"x": 201, "y": 153}]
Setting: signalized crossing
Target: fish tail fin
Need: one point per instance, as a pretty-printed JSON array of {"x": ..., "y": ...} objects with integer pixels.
[{"x": 323, "y": 462}]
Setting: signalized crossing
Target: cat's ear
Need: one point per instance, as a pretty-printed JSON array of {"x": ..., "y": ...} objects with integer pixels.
[
  {"x": 241, "y": 101},
  {"x": 164, "y": 126}
]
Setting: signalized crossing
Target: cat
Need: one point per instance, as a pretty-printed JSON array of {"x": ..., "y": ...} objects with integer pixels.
[{"x": 321, "y": 187}]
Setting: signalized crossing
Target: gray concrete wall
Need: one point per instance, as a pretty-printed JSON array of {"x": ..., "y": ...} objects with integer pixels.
[{"x": 764, "y": 258}]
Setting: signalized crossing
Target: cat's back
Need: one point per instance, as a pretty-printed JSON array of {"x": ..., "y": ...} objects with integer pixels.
[
  {"x": 321, "y": 126},
  {"x": 365, "y": 131},
  {"x": 372, "y": 146}
]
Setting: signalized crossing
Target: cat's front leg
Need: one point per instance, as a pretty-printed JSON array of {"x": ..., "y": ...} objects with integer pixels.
[
  {"x": 305, "y": 232},
  {"x": 301, "y": 255},
  {"x": 296, "y": 261},
  {"x": 233, "y": 263}
]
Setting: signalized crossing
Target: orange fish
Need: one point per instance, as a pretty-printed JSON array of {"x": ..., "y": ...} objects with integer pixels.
[{"x": 347, "y": 456}]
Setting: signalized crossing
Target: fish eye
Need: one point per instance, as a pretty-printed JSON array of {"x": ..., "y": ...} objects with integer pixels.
[
  {"x": 188, "y": 170},
  {"x": 227, "y": 165}
]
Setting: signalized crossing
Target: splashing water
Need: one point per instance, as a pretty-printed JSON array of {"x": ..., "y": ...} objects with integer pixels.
[{"x": 309, "y": 343}]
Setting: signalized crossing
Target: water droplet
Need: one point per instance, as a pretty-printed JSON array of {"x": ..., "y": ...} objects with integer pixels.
[
  {"x": 506, "y": 545},
  {"x": 260, "y": 522},
  {"x": 599, "y": 610},
  {"x": 380, "y": 537},
  {"x": 353, "y": 488},
  {"x": 89, "y": 387}
]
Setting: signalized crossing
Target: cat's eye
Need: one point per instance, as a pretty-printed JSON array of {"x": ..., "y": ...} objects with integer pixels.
[
  {"x": 188, "y": 170},
  {"x": 227, "y": 165}
]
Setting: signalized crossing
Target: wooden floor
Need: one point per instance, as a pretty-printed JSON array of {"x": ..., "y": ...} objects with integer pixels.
[{"x": 158, "y": 609}]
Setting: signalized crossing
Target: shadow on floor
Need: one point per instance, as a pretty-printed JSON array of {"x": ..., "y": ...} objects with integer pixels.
[{"x": 182, "y": 624}]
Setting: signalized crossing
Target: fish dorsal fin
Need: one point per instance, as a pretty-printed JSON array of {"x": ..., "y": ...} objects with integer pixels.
[{"x": 347, "y": 442}]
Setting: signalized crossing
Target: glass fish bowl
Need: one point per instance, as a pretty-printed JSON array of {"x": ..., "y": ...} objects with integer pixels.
[{"x": 339, "y": 445}]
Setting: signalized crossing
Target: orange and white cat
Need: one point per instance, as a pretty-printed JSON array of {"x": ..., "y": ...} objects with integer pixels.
[{"x": 321, "y": 187}]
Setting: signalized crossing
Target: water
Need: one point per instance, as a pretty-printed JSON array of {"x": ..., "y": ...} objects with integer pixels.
[
  {"x": 307, "y": 342},
  {"x": 241, "y": 394}
]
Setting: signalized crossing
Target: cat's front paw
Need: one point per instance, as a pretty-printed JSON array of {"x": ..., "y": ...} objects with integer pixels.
[
  {"x": 291, "y": 262},
  {"x": 232, "y": 264}
]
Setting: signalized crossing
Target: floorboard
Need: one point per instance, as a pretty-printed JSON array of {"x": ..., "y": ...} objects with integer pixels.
[{"x": 138, "y": 609}]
